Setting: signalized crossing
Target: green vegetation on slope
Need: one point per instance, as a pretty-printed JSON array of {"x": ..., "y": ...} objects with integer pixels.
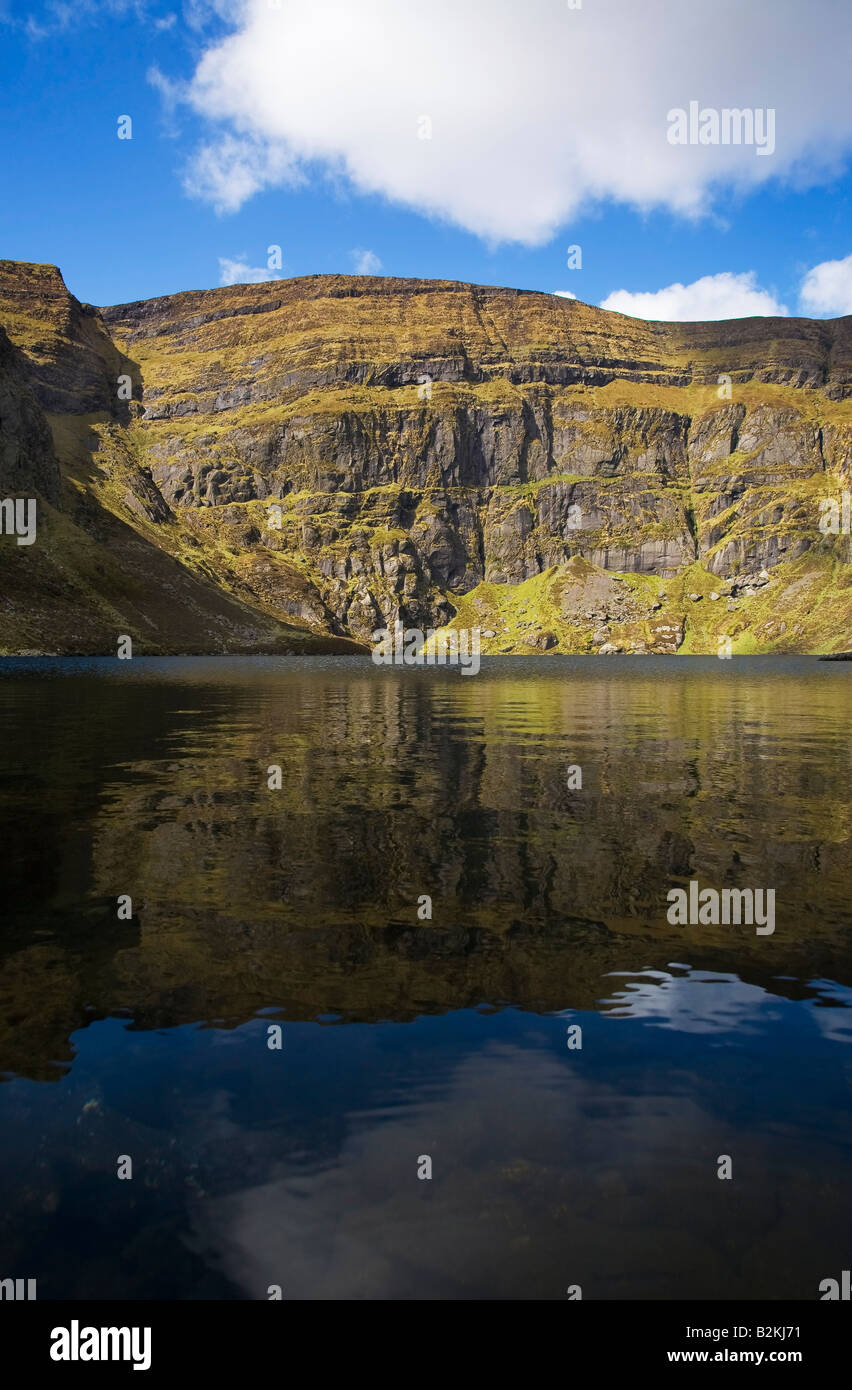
[{"x": 566, "y": 478}]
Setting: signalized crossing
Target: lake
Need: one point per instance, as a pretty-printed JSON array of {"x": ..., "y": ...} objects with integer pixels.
[{"x": 694, "y": 1048}]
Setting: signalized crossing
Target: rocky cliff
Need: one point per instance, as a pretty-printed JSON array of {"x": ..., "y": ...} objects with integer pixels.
[{"x": 289, "y": 466}]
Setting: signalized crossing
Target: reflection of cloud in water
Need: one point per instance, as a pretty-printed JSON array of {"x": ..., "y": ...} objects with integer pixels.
[
  {"x": 710, "y": 1002},
  {"x": 835, "y": 1023},
  {"x": 544, "y": 1175},
  {"x": 704, "y": 1002},
  {"x": 366, "y": 1226}
]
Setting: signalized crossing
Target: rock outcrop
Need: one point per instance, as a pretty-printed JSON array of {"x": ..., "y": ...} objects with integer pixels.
[{"x": 327, "y": 455}]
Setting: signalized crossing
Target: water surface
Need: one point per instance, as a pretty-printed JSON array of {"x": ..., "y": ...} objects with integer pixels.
[{"x": 406, "y": 1037}]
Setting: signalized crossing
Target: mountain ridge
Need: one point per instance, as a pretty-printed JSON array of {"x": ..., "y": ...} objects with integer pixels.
[{"x": 309, "y": 460}]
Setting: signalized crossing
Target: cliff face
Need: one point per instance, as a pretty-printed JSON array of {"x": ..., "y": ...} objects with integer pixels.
[
  {"x": 326, "y": 455},
  {"x": 27, "y": 458}
]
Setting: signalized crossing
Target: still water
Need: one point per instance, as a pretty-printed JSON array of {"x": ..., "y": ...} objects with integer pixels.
[{"x": 405, "y": 1037}]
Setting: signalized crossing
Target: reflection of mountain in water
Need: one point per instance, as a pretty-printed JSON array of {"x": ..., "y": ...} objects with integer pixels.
[{"x": 398, "y": 784}]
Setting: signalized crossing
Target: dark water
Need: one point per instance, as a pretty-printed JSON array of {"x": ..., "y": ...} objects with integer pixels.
[{"x": 406, "y": 1037}]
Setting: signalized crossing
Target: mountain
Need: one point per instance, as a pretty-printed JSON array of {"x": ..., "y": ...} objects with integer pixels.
[{"x": 292, "y": 465}]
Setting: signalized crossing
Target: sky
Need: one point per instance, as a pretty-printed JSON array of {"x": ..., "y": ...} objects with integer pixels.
[{"x": 581, "y": 147}]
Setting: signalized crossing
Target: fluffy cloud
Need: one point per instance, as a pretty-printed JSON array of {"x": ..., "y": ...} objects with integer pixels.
[
  {"x": 534, "y": 110},
  {"x": 724, "y": 296},
  {"x": 239, "y": 272},
  {"x": 365, "y": 262},
  {"x": 226, "y": 172},
  {"x": 564, "y": 294},
  {"x": 203, "y": 14},
  {"x": 827, "y": 289}
]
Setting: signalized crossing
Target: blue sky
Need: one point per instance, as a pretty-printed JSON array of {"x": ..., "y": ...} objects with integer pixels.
[{"x": 255, "y": 125}]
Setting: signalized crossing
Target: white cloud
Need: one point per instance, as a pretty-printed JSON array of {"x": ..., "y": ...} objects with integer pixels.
[
  {"x": 365, "y": 262},
  {"x": 536, "y": 110},
  {"x": 723, "y": 296},
  {"x": 239, "y": 272},
  {"x": 564, "y": 294},
  {"x": 227, "y": 171},
  {"x": 59, "y": 16},
  {"x": 827, "y": 288},
  {"x": 171, "y": 95},
  {"x": 202, "y": 14}
]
